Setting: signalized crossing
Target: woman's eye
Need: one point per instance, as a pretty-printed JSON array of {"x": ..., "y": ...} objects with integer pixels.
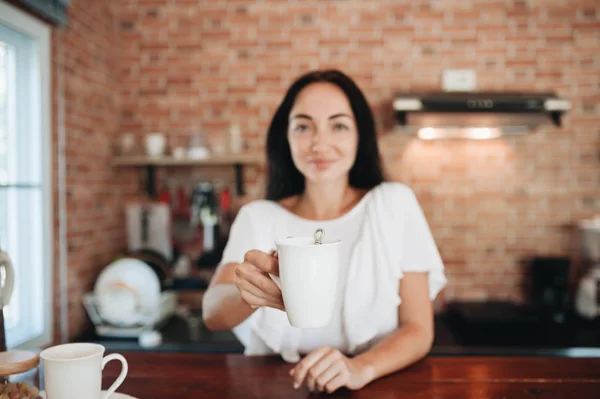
[
  {"x": 339, "y": 127},
  {"x": 300, "y": 128}
]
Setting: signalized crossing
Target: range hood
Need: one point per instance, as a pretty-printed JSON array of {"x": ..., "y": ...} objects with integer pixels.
[{"x": 477, "y": 115}]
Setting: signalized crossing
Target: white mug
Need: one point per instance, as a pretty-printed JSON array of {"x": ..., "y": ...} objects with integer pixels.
[
  {"x": 308, "y": 279},
  {"x": 155, "y": 144},
  {"x": 74, "y": 371}
]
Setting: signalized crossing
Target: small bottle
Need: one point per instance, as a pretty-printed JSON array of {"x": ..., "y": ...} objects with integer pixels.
[
  {"x": 205, "y": 212},
  {"x": 225, "y": 205}
]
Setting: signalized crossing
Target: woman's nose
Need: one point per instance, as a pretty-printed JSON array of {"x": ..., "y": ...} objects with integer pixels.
[
  {"x": 317, "y": 143},
  {"x": 319, "y": 139}
]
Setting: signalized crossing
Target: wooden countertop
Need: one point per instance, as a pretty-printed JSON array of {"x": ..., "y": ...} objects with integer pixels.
[{"x": 181, "y": 376}]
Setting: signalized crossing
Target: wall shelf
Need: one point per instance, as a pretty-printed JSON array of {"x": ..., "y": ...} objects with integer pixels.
[
  {"x": 220, "y": 160},
  {"x": 150, "y": 163}
]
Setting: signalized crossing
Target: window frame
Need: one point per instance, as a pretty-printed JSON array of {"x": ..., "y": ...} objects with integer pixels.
[{"x": 40, "y": 32}]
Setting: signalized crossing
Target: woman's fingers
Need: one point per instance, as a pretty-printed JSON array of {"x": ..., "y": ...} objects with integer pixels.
[
  {"x": 335, "y": 383},
  {"x": 252, "y": 278},
  {"x": 320, "y": 367},
  {"x": 329, "y": 374},
  {"x": 245, "y": 285},
  {"x": 263, "y": 261},
  {"x": 253, "y": 300},
  {"x": 302, "y": 368},
  {"x": 257, "y": 301},
  {"x": 250, "y": 273}
]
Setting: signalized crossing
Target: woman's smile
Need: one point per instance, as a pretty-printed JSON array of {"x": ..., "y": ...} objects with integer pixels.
[{"x": 321, "y": 163}]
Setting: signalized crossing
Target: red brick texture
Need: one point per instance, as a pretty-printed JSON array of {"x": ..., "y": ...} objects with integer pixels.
[
  {"x": 87, "y": 54},
  {"x": 189, "y": 66}
]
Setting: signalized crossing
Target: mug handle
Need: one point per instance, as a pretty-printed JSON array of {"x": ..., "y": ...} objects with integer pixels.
[
  {"x": 120, "y": 378},
  {"x": 275, "y": 278},
  {"x": 10, "y": 278}
]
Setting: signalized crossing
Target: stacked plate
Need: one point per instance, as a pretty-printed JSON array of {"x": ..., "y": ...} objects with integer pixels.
[{"x": 127, "y": 293}]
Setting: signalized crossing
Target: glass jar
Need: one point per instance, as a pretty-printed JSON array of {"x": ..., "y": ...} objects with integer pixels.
[{"x": 19, "y": 373}]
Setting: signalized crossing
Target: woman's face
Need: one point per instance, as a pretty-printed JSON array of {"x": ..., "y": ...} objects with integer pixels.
[{"x": 322, "y": 133}]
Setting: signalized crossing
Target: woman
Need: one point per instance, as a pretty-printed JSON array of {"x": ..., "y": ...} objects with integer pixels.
[{"x": 324, "y": 171}]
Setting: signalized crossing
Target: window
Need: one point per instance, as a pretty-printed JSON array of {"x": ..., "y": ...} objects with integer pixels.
[{"x": 25, "y": 174}]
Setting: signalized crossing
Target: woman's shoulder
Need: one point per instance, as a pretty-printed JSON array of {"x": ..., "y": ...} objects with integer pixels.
[
  {"x": 258, "y": 209},
  {"x": 393, "y": 201},
  {"x": 393, "y": 191},
  {"x": 254, "y": 215}
]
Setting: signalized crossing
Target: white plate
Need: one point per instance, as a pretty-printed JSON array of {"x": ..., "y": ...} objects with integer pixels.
[
  {"x": 115, "y": 395},
  {"x": 124, "y": 288}
]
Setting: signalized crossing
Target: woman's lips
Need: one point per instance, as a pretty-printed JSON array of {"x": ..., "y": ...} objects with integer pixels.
[{"x": 321, "y": 163}]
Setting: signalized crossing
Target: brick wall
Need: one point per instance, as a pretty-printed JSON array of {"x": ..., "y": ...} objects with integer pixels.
[
  {"x": 202, "y": 65},
  {"x": 87, "y": 55},
  {"x": 199, "y": 66}
]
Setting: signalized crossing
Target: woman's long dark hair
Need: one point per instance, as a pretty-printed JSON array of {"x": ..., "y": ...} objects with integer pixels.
[{"x": 284, "y": 179}]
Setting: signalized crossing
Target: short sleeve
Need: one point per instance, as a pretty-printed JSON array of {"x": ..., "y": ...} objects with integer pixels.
[
  {"x": 241, "y": 237},
  {"x": 419, "y": 251}
]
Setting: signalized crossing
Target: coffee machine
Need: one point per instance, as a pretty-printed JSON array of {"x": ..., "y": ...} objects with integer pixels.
[
  {"x": 550, "y": 286},
  {"x": 587, "y": 299}
]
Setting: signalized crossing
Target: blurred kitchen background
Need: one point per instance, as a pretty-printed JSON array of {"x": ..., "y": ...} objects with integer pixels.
[{"x": 151, "y": 130}]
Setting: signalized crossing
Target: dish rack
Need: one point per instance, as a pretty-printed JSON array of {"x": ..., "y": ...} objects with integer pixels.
[{"x": 154, "y": 317}]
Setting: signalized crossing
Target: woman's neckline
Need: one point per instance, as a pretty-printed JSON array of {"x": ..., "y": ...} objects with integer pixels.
[{"x": 345, "y": 215}]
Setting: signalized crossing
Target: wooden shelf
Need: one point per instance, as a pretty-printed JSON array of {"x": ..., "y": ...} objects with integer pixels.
[
  {"x": 220, "y": 160},
  {"x": 151, "y": 163}
]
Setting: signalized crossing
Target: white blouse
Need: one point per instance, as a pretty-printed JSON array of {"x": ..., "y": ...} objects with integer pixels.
[{"x": 384, "y": 235}]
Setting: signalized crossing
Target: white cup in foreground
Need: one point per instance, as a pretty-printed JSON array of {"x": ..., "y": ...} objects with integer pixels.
[
  {"x": 74, "y": 371},
  {"x": 308, "y": 278}
]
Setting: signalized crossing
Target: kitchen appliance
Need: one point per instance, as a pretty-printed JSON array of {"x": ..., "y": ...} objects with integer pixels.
[
  {"x": 550, "y": 287},
  {"x": 205, "y": 211},
  {"x": 149, "y": 228},
  {"x": 477, "y": 115},
  {"x": 493, "y": 323},
  {"x": 587, "y": 299}
]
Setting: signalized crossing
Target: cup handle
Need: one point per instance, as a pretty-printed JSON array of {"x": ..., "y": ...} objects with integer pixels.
[
  {"x": 7, "y": 290},
  {"x": 120, "y": 378},
  {"x": 275, "y": 278}
]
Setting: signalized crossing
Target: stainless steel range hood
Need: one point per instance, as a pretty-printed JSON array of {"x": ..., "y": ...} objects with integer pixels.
[{"x": 477, "y": 115}]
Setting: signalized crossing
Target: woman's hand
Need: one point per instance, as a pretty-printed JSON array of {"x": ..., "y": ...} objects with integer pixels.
[
  {"x": 252, "y": 280},
  {"x": 328, "y": 369}
]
